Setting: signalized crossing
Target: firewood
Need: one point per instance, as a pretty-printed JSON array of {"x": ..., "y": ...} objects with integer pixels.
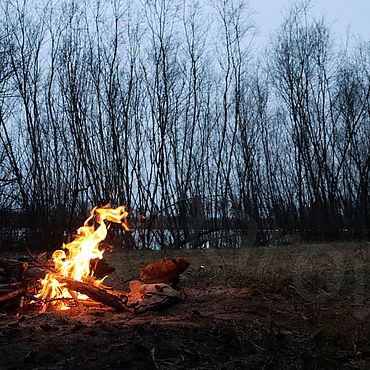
[
  {"x": 20, "y": 305},
  {"x": 13, "y": 294},
  {"x": 7, "y": 263},
  {"x": 5, "y": 291},
  {"x": 17, "y": 270},
  {"x": 95, "y": 293},
  {"x": 14, "y": 286},
  {"x": 35, "y": 272},
  {"x": 11, "y": 268},
  {"x": 75, "y": 299},
  {"x": 22, "y": 270},
  {"x": 166, "y": 270}
]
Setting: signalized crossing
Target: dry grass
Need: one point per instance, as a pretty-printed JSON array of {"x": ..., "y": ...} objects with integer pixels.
[{"x": 329, "y": 263}]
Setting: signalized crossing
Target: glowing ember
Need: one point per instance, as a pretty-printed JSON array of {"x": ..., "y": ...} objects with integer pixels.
[{"x": 74, "y": 260}]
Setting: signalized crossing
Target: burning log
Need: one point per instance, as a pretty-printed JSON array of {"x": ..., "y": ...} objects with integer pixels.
[
  {"x": 95, "y": 293},
  {"x": 167, "y": 270}
]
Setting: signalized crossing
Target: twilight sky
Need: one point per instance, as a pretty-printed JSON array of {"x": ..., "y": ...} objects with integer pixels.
[{"x": 340, "y": 14}]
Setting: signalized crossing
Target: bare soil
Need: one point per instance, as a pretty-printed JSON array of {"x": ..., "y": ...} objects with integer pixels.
[{"x": 294, "y": 307}]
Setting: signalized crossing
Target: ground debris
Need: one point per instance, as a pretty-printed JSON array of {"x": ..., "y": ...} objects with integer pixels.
[{"x": 226, "y": 322}]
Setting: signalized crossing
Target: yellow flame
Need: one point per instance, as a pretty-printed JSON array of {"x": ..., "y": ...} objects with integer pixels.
[{"x": 73, "y": 260}]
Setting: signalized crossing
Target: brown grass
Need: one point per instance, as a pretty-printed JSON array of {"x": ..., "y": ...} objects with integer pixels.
[{"x": 309, "y": 264}]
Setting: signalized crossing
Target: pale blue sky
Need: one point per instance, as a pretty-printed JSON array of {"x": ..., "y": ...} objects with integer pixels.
[{"x": 340, "y": 14}]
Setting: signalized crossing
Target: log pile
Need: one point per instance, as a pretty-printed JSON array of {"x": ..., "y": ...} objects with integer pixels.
[{"x": 20, "y": 282}]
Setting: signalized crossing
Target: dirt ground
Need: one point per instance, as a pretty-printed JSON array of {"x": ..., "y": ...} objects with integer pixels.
[{"x": 293, "y": 307}]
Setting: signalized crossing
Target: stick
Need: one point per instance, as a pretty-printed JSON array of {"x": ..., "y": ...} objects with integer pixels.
[
  {"x": 5, "y": 291},
  {"x": 20, "y": 305},
  {"x": 14, "y": 285},
  {"x": 76, "y": 300},
  {"x": 13, "y": 294}
]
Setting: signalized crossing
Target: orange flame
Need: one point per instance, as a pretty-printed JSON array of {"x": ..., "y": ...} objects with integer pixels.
[{"x": 73, "y": 260}]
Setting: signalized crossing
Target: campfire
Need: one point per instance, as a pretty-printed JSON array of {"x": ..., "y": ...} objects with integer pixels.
[{"x": 69, "y": 278}]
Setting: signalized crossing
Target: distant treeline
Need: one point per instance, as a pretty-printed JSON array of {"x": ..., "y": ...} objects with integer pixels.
[{"x": 153, "y": 104}]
